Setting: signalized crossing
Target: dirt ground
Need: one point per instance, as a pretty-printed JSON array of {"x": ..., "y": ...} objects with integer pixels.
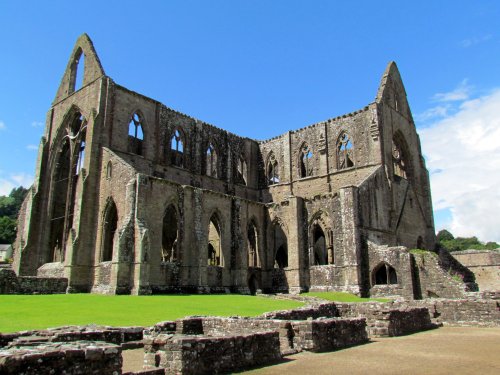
[{"x": 446, "y": 350}]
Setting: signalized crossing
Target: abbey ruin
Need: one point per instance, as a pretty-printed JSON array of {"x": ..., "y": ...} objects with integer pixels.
[{"x": 131, "y": 196}]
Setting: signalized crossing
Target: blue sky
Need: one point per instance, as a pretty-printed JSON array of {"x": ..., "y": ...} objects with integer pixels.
[{"x": 260, "y": 68}]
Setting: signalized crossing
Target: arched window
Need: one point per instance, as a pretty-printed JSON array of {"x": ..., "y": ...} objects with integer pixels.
[
  {"x": 384, "y": 274},
  {"x": 109, "y": 170},
  {"x": 400, "y": 160},
  {"x": 253, "y": 253},
  {"x": 169, "y": 243},
  {"x": 135, "y": 134},
  {"x": 211, "y": 162},
  {"x": 81, "y": 151},
  {"x": 280, "y": 247},
  {"x": 214, "y": 243},
  {"x": 344, "y": 152},
  {"x": 319, "y": 246},
  {"x": 177, "y": 148},
  {"x": 273, "y": 176},
  {"x": 77, "y": 71},
  {"x": 109, "y": 227},
  {"x": 241, "y": 171},
  {"x": 305, "y": 162}
]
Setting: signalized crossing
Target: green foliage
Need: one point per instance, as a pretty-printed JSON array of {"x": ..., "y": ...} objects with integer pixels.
[
  {"x": 343, "y": 297},
  {"x": 8, "y": 228},
  {"x": 444, "y": 235},
  {"x": 23, "y": 312},
  {"x": 422, "y": 252},
  {"x": 9, "y": 209}
]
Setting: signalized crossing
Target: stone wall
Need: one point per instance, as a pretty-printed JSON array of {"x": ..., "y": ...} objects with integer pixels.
[
  {"x": 463, "y": 312},
  {"x": 328, "y": 334},
  {"x": 12, "y": 284},
  {"x": 485, "y": 264},
  {"x": 71, "y": 358},
  {"x": 207, "y": 355}
]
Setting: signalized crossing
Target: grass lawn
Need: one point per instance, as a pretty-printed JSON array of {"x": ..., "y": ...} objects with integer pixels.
[
  {"x": 25, "y": 312},
  {"x": 343, "y": 297}
]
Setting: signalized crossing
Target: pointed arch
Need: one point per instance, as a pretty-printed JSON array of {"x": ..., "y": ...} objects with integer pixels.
[
  {"x": 305, "y": 161},
  {"x": 272, "y": 169},
  {"x": 136, "y": 133},
  {"x": 253, "y": 245},
  {"x": 177, "y": 146},
  {"x": 211, "y": 161},
  {"x": 401, "y": 162},
  {"x": 170, "y": 235},
  {"x": 109, "y": 227},
  {"x": 345, "y": 151},
  {"x": 280, "y": 244},
  {"x": 214, "y": 246},
  {"x": 241, "y": 170},
  {"x": 321, "y": 239},
  {"x": 384, "y": 274}
]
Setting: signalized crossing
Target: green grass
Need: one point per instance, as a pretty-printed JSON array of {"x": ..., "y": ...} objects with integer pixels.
[
  {"x": 21, "y": 312},
  {"x": 422, "y": 252},
  {"x": 344, "y": 297}
]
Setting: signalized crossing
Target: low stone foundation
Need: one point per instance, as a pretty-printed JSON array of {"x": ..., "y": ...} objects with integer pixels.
[
  {"x": 10, "y": 283},
  {"x": 70, "y": 358},
  {"x": 180, "y": 354}
]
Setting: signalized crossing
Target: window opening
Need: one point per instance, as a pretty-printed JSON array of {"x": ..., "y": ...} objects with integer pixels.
[
  {"x": 211, "y": 161},
  {"x": 319, "y": 246},
  {"x": 241, "y": 175},
  {"x": 385, "y": 274},
  {"x": 214, "y": 243},
  {"x": 280, "y": 247},
  {"x": 109, "y": 229},
  {"x": 253, "y": 256},
  {"x": 272, "y": 171},
  {"x": 306, "y": 162},
  {"x": 136, "y": 135},
  {"x": 398, "y": 161},
  {"x": 177, "y": 149},
  {"x": 170, "y": 235},
  {"x": 344, "y": 152}
]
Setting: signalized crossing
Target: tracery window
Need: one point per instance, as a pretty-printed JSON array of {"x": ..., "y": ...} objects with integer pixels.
[
  {"x": 305, "y": 162},
  {"x": 211, "y": 161},
  {"x": 384, "y": 274},
  {"x": 177, "y": 148},
  {"x": 272, "y": 170},
  {"x": 241, "y": 171},
  {"x": 135, "y": 134},
  {"x": 398, "y": 161},
  {"x": 345, "y": 152}
]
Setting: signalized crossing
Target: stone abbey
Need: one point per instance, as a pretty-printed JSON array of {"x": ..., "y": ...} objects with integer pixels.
[{"x": 131, "y": 196}]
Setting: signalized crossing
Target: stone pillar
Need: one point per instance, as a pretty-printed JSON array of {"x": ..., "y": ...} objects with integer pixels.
[
  {"x": 296, "y": 270},
  {"x": 351, "y": 244}
]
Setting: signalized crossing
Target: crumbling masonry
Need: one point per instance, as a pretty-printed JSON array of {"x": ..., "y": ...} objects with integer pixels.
[{"x": 131, "y": 196}]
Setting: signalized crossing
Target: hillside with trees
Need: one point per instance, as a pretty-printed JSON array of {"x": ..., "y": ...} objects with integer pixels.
[
  {"x": 9, "y": 209},
  {"x": 446, "y": 240}
]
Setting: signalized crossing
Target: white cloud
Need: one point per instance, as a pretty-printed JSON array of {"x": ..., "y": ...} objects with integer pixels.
[
  {"x": 469, "y": 42},
  {"x": 15, "y": 180},
  {"x": 37, "y": 124},
  {"x": 2, "y": 125},
  {"x": 432, "y": 113},
  {"x": 32, "y": 147},
  {"x": 461, "y": 93},
  {"x": 464, "y": 148}
]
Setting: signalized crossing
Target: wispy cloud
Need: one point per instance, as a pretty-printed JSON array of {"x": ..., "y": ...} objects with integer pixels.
[
  {"x": 32, "y": 147},
  {"x": 2, "y": 125},
  {"x": 464, "y": 147},
  {"x": 37, "y": 124},
  {"x": 432, "y": 113},
  {"x": 14, "y": 180},
  {"x": 460, "y": 93},
  {"x": 469, "y": 42}
]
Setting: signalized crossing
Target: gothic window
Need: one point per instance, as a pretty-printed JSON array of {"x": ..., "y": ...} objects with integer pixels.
[
  {"x": 241, "y": 171},
  {"x": 305, "y": 162},
  {"x": 319, "y": 246},
  {"x": 253, "y": 255},
  {"x": 109, "y": 229},
  {"x": 177, "y": 148},
  {"x": 135, "y": 134},
  {"x": 280, "y": 247},
  {"x": 384, "y": 274},
  {"x": 273, "y": 176},
  {"x": 214, "y": 253},
  {"x": 81, "y": 152},
  {"x": 399, "y": 162},
  {"x": 109, "y": 170},
  {"x": 344, "y": 152},
  {"x": 77, "y": 72},
  {"x": 169, "y": 243},
  {"x": 211, "y": 162}
]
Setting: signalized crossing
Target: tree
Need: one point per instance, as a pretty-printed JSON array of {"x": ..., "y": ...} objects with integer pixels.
[
  {"x": 7, "y": 230},
  {"x": 444, "y": 235},
  {"x": 446, "y": 240}
]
